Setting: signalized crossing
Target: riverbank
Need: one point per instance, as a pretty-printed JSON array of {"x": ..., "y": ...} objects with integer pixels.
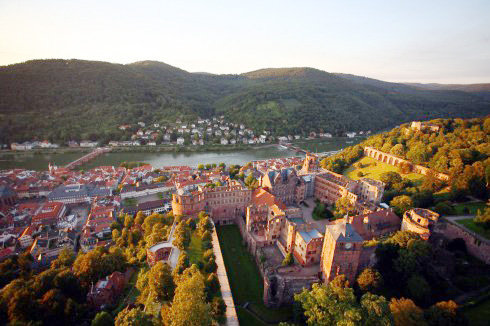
[
  {"x": 319, "y": 145},
  {"x": 156, "y": 157},
  {"x": 314, "y": 145},
  {"x": 151, "y": 149},
  {"x": 162, "y": 155},
  {"x": 188, "y": 148},
  {"x": 60, "y": 150}
]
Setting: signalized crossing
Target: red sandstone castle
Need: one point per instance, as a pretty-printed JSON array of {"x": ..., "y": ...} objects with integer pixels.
[
  {"x": 224, "y": 202},
  {"x": 271, "y": 215},
  {"x": 273, "y": 224}
]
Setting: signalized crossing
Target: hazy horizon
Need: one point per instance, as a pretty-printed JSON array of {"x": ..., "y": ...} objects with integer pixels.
[{"x": 444, "y": 42}]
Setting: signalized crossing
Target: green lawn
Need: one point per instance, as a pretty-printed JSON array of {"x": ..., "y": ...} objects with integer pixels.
[
  {"x": 245, "y": 280},
  {"x": 459, "y": 209},
  {"x": 468, "y": 222},
  {"x": 195, "y": 249},
  {"x": 246, "y": 318},
  {"x": 374, "y": 171},
  {"x": 478, "y": 315}
]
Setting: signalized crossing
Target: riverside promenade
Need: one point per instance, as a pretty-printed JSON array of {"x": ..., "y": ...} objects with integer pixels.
[{"x": 230, "y": 314}]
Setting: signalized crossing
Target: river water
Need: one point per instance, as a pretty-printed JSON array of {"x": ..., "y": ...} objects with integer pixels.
[{"x": 39, "y": 161}]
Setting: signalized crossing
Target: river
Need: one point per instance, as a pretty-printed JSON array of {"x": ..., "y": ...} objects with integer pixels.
[{"x": 39, "y": 161}]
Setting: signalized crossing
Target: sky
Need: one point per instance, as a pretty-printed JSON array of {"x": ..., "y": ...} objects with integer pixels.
[{"x": 401, "y": 41}]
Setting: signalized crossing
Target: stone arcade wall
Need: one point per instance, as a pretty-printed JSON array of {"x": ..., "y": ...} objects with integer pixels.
[{"x": 396, "y": 161}]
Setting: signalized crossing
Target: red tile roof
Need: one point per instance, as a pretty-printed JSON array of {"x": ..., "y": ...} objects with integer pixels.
[
  {"x": 262, "y": 197},
  {"x": 50, "y": 210}
]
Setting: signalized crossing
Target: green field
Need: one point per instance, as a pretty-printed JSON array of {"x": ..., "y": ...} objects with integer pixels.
[
  {"x": 374, "y": 171},
  {"x": 468, "y": 222},
  {"x": 478, "y": 315},
  {"x": 246, "y": 318},
  {"x": 245, "y": 280}
]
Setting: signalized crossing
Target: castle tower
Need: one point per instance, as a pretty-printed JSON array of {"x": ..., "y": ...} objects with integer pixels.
[
  {"x": 310, "y": 164},
  {"x": 291, "y": 236},
  {"x": 341, "y": 252}
]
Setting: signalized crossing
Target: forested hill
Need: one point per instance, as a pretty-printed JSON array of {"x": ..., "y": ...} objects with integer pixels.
[
  {"x": 75, "y": 99},
  {"x": 481, "y": 89},
  {"x": 471, "y": 88},
  {"x": 461, "y": 149}
]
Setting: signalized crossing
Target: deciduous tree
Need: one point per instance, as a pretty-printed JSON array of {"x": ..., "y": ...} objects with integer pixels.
[
  {"x": 161, "y": 283},
  {"x": 65, "y": 258},
  {"x": 445, "y": 313},
  {"x": 375, "y": 310},
  {"x": 406, "y": 313},
  {"x": 131, "y": 317},
  {"x": 401, "y": 204},
  {"x": 189, "y": 306},
  {"x": 182, "y": 236},
  {"x": 344, "y": 206},
  {"x": 103, "y": 318},
  {"x": 330, "y": 304},
  {"x": 370, "y": 280}
]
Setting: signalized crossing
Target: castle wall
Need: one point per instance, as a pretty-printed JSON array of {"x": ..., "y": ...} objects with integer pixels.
[
  {"x": 367, "y": 258},
  {"x": 280, "y": 288},
  {"x": 327, "y": 191},
  {"x": 252, "y": 244},
  {"x": 476, "y": 245}
]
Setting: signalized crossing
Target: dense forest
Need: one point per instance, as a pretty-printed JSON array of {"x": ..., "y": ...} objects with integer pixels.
[{"x": 61, "y": 100}]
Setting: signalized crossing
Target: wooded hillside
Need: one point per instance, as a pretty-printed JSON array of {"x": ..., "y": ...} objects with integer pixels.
[{"x": 61, "y": 100}]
